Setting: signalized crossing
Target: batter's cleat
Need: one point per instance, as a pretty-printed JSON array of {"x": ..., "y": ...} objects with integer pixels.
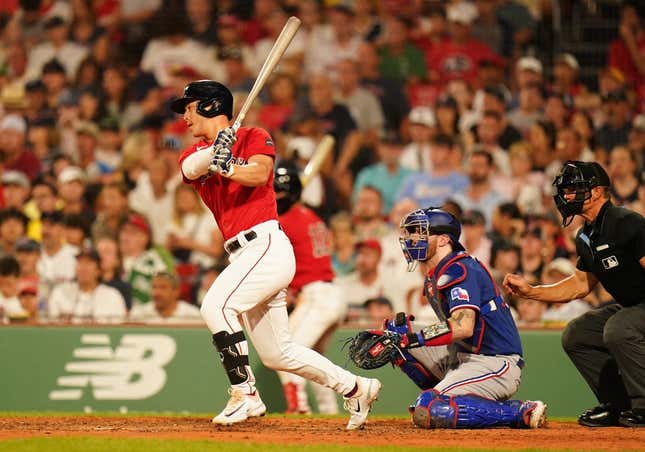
[
  {"x": 600, "y": 416},
  {"x": 633, "y": 418},
  {"x": 534, "y": 413},
  {"x": 240, "y": 407},
  {"x": 360, "y": 403}
]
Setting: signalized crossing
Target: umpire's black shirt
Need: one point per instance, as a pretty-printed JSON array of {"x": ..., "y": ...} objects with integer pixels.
[{"x": 610, "y": 247}]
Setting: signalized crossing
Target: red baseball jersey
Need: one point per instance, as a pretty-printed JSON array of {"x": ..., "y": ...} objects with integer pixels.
[
  {"x": 453, "y": 61},
  {"x": 237, "y": 207},
  {"x": 311, "y": 242}
]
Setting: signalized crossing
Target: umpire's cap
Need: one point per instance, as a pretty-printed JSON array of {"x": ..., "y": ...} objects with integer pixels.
[{"x": 215, "y": 99}]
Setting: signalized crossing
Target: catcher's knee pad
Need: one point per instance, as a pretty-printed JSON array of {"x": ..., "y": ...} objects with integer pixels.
[
  {"x": 234, "y": 362},
  {"x": 416, "y": 371},
  {"x": 434, "y": 410}
]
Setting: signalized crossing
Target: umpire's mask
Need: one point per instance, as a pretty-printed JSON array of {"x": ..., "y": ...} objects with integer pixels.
[{"x": 577, "y": 178}]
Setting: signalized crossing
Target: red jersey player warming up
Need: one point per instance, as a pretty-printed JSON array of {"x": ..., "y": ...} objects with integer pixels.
[
  {"x": 233, "y": 174},
  {"x": 320, "y": 303}
]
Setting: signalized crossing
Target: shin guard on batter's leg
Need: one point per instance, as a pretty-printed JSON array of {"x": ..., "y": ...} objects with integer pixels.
[
  {"x": 434, "y": 410},
  {"x": 235, "y": 363}
]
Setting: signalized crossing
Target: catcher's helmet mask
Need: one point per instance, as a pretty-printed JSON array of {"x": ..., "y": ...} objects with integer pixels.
[
  {"x": 214, "y": 99},
  {"x": 577, "y": 178},
  {"x": 419, "y": 225},
  {"x": 286, "y": 180}
]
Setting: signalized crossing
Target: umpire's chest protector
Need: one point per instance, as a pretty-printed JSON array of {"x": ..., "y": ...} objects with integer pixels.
[{"x": 611, "y": 248}]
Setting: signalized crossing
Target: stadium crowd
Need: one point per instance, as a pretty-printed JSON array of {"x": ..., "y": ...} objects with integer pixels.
[{"x": 461, "y": 104}]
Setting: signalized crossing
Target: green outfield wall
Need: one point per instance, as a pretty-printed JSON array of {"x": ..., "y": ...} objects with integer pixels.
[{"x": 177, "y": 370}]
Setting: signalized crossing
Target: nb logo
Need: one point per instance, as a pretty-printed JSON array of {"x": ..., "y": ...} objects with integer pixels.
[
  {"x": 133, "y": 370},
  {"x": 610, "y": 262}
]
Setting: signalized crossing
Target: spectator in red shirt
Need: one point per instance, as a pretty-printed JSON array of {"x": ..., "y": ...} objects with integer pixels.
[
  {"x": 460, "y": 56},
  {"x": 13, "y": 134},
  {"x": 282, "y": 93},
  {"x": 627, "y": 52}
]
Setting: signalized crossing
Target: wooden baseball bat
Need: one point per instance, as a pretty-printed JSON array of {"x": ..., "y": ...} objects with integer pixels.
[
  {"x": 281, "y": 43},
  {"x": 323, "y": 150},
  {"x": 279, "y": 46}
]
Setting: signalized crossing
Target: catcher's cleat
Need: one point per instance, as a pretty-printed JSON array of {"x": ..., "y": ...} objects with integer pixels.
[
  {"x": 534, "y": 413},
  {"x": 240, "y": 407},
  {"x": 360, "y": 403},
  {"x": 604, "y": 415}
]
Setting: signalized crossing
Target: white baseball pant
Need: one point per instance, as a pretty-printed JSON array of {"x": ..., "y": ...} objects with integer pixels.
[
  {"x": 494, "y": 377},
  {"x": 321, "y": 306},
  {"x": 253, "y": 288}
]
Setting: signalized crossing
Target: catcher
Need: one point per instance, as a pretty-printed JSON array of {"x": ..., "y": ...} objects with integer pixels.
[{"x": 469, "y": 363}]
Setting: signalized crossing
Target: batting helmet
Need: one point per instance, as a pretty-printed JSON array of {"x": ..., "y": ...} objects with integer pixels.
[
  {"x": 286, "y": 180},
  {"x": 577, "y": 178},
  {"x": 214, "y": 99},
  {"x": 419, "y": 225}
]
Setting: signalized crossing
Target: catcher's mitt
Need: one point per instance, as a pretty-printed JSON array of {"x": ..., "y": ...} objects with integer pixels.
[{"x": 372, "y": 349}]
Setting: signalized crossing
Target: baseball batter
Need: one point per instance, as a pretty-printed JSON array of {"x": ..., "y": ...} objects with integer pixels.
[
  {"x": 469, "y": 363},
  {"x": 320, "y": 306},
  {"x": 234, "y": 176}
]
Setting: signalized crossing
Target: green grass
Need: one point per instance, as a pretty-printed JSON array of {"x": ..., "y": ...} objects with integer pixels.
[
  {"x": 94, "y": 444},
  {"x": 83, "y": 444},
  {"x": 205, "y": 415}
]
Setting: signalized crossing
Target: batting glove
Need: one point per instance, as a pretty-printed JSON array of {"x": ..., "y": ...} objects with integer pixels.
[
  {"x": 223, "y": 161},
  {"x": 222, "y": 157},
  {"x": 226, "y": 138}
]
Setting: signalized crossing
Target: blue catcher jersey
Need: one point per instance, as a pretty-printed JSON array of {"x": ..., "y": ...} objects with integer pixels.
[{"x": 463, "y": 282}]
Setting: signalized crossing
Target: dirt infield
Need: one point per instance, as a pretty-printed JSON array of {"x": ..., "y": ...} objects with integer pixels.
[{"x": 305, "y": 430}]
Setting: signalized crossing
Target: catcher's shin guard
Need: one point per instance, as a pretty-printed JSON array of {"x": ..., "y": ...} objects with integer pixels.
[
  {"x": 434, "y": 410},
  {"x": 234, "y": 363}
]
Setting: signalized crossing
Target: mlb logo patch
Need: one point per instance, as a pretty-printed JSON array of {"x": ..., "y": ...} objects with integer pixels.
[
  {"x": 459, "y": 294},
  {"x": 610, "y": 262}
]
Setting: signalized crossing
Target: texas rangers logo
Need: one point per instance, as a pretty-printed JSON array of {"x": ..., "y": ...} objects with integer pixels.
[
  {"x": 610, "y": 262},
  {"x": 459, "y": 294}
]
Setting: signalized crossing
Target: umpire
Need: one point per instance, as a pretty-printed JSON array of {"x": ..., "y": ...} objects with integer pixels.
[{"x": 607, "y": 344}]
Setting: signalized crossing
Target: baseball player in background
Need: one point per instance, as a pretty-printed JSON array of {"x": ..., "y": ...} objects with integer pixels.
[
  {"x": 233, "y": 173},
  {"x": 470, "y": 362},
  {"x": 320, "y": 305}
]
